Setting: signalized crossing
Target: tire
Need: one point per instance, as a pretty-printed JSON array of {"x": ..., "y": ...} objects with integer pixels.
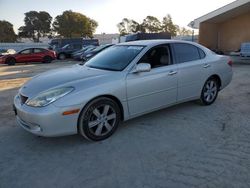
[
  {"x": 11, "y": 61},
  {"x": 209, "y": 92},
  {"x": 99, "y": 119},
  {"x": 47, "y": 59},
  {"x": 62, "y": 56}
]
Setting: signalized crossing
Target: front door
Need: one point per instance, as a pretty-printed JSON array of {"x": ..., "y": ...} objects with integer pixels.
[
  {"x": 25, "y": 56},
  {"x": 147, "y": 91}
]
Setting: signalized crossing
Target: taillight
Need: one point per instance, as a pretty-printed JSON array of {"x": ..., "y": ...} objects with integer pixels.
[{"x": 230, "y": 63}]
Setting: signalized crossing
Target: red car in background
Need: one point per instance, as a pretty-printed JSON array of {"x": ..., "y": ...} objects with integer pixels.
[{"x": 29, "y": 55}]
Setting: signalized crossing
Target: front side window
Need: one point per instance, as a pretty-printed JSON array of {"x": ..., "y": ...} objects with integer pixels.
[
  {"x": 115, "y": 58},
  {"x": 186, "y": 52},
  {"x": 157, "y": 57},
  {"x": 25, "y": 51}
]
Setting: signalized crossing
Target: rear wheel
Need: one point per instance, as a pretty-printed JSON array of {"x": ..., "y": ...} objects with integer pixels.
[
  {"x": 47, "y": 59},
  {"x": 99, "y": 119},
  {"x": 11, "y": 61},
  {"x": 62, "y": 56},
  {"x": 209, "y": 92}
]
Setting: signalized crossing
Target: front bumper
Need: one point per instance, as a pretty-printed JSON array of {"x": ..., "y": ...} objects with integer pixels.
[{"x": 45, "y": 121}]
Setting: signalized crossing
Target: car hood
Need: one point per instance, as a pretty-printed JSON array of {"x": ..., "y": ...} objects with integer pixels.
[{"x": 60, "y": 78}]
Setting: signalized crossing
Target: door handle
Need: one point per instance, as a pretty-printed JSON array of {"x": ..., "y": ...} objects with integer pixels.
[
  {"x": 206, "y": 65},
  {"x": 172, "y": 73}
]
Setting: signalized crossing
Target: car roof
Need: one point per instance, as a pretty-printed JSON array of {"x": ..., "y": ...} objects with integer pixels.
[{"x": 153, "y": 42}]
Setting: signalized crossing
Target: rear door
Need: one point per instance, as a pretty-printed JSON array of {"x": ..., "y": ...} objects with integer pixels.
[
  {"x": 193, "y": 70},
  {"x": 38, "y": 54}
]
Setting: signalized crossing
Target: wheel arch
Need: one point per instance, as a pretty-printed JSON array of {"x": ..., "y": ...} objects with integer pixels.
[
  {"x": 8, "y": 58},
  {"x": 47, "y": 56},
  {"x": 217, "y": 77},
  {"x": 112, "y": 97}
]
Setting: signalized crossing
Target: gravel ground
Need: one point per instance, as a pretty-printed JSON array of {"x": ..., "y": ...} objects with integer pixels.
[{"x": 186, "y": 145}]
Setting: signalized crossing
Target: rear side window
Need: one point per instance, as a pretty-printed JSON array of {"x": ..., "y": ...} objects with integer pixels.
[
  {"x": 187, "y": 52},
  {"x": 202, "y": 53},
  {"x": 38, "y": 50}
]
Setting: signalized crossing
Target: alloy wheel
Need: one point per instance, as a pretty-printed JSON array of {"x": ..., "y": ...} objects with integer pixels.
[
  {"x": 210, "y": 91},
  {"x": 102, "y": 120}
]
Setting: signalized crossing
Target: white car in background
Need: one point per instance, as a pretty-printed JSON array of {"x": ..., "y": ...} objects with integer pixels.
[
  {"x": 122, "y": 82},
  {"x": 7, "y": 52}
]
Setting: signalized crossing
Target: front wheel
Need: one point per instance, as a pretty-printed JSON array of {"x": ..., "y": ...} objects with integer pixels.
[
  {"x": 99, "y": 119},
  {"x": 209, "y": 92},
  {"x": 11, "y": 61}
]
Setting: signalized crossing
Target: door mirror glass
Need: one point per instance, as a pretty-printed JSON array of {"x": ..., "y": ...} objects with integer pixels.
[{"x": 142, "y": 67}]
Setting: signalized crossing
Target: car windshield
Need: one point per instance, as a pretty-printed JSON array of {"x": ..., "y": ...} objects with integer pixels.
[{"x": 115, "y": 58}]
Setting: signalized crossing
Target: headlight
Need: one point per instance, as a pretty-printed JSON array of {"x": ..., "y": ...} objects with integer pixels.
[{"x": 49, "y": 96}]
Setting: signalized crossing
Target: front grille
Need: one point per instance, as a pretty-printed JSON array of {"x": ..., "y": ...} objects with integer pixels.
[{"x": 23, "y": 98}]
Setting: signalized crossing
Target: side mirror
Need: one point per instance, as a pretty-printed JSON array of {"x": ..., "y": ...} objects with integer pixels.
[{"x": 142, "y": 67}]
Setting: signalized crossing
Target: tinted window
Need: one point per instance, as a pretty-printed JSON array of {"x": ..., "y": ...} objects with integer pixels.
[
  {"x": 25, "y": 51},
  {"x": 114, "y": 58},
  {"x": 186, "y": 52}
]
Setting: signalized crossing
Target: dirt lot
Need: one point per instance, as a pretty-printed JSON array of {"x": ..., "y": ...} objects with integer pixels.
[{"x": 187, "y": 145}]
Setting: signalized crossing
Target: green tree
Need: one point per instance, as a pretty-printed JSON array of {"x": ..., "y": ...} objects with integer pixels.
[
  {"x": 128, "y": 26},
  {"x": 7, "y": 33},
  {"x": 182, "y": 31},
  {"x": 74, "y": 24},
  {"x": 92, "y": 25},
  {"x": 151, "y": 24},
  {"x": 36, "y": 25},
  {"x": 169, "y": 26}
]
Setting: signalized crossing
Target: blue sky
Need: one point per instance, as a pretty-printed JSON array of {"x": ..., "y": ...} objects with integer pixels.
[{"x": 110, "y": 12}]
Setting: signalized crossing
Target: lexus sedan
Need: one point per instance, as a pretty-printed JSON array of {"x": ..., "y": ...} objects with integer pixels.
[
  {"x": 122, "y": 82},
  {"x": 29, "y": 55}
]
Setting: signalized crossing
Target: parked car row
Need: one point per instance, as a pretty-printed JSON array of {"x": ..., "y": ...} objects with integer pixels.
[
  {"x": 91, "y": 53},
  {"x": 46, "y": 55}
]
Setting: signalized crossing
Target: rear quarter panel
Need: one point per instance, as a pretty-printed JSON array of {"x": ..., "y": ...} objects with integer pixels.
[{"x": 221, "y": 68}]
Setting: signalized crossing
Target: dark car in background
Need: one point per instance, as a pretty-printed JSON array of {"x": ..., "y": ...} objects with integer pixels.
[
  {"x": 59, "y": 43},
  {"x": 89, "y": 54},
  {"x": 29, "y": 55},
  {"x": 77, "y": 55},
  {"x": 67, "y": 50}
]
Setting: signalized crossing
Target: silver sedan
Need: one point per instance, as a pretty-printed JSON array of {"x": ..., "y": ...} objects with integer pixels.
[{"x": 120, "y": 83}]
